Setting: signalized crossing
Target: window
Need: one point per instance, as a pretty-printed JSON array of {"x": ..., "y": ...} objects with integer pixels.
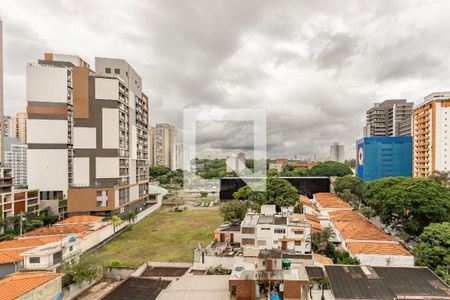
[
  {"x": 298, "y": 231},
  {"x": 265, "y": 228},
  {"x": 108, "y": 70},
  {"x": 116, "y": 71},
  {"x": 248, "y": 230},
  {"x": 71, "y": 248},
  {"x": 298, "y": 243},
  {"x": 99, "y": 193},
  {"x": 35, "y": 260},
  {"x": 280, "y": 231},
  {"x": 261, "y": 242}
]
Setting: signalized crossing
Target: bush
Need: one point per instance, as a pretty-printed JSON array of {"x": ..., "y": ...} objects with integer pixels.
[
  {"x": 115, "y": 263},
  {"x": 204, "y": 194}
]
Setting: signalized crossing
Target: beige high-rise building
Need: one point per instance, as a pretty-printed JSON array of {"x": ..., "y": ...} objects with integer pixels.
[
  {"x": 337, "y": 152},
  {"x": 20, "y": 126},
  {"x": 431, "y": 135},
  {"x": 87, "y": 135},
  {"x": 163, "y": 141}
]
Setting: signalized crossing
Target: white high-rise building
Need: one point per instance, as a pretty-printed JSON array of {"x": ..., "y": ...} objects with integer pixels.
[
  {"x": 181, "y": 157},
  {"x": 337, "y": 152},
  {"x": 16, "y": 159},
  {"x": 235, "y": 162},
  {"x": 163, "y": 141}
]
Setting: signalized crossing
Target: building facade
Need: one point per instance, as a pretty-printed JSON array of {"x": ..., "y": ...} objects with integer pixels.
[
  {"x": 181, "y": 158},
  {"x": 235, "y": 162},
  {"x": 379, "y": 157},
  {"x": 16, "y": 159},
  {"x": 163, "y": 141},
  {"x": 430, "y": 121},
  {"x": 20, "y": 126},
  {"x": 337, "y": 152},
  {"x": 1, "y": 92},
  {"x": 389, "y": 118},
  {"x": 95, "y": 146}
]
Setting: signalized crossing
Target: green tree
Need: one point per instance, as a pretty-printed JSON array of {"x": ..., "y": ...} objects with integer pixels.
[
  {"x": 441, "y": 177},
  {"x": 86, "y": 269},
  {"x": 320, "y": 239},
  {"x": 408, "y": 204},
  {"x": 349, "y": 182},
  {"x": 433, "y": 250},
  {"x": 115, "y": 221},
  {"x": 233, "y": 210},
  {"x": 351, "y": 163},
  {"x": 330, "y": 168},
  {"x": 243, "y": 193},
  {"x": 280, "y": 192},
  {"x": 158, "y": 171}
]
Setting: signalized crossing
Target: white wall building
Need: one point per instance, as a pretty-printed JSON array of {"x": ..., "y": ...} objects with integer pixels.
[
  {"x": 16, "y": 159},
  {"x": 181, "y": 158},
  {"x": 235, "y": 162}
]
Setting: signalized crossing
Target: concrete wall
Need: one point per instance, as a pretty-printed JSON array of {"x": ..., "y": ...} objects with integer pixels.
[
  {"x": 386, "y": 260},
  {"x": 118, "y": 273},
  {"x": 7, "y": 269},
  {"x": 45, "y": 291}
]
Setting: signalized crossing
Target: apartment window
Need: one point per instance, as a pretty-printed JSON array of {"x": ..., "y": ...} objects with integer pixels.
[
  {"x": 35, "y": 260},
  {"x": 298, "y": 243},
  {"x": 298, "y": 231},
  {"x": 265, "y": 228},
  {"x": 116, "y": 71},
  {"x": 261, "y": 242},
  {"x": 108, "y": 70},
  {"x": 280, "y": 231},
  {"x": 248, "y": 230}
]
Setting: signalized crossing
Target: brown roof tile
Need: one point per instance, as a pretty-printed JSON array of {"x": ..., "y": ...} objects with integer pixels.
[
  {"x": 19, "y": 284},
  {"x": 58, "y": 230},
  {"x": 29, "y": 242},
  {"x": 362, "y": 230},
  {"x": 80, "y": 219},
  {"x": 329, "y": 200},
  {"x": 10, "y": 256},
  {"x": 378, "y": 248}
]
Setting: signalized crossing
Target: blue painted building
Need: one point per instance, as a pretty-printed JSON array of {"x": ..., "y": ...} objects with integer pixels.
[{"x": 383, "y": 156}]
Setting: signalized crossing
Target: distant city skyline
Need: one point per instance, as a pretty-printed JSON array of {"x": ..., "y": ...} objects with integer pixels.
[{"x": 316, "y": 67}]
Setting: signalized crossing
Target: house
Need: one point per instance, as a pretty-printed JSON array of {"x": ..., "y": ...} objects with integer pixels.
[
  {"x": 367, "y": 242},
  {"x": 271, "y": 230},
  {"x": 27, "y": 286},
  {"x": 328, "y": 202},
  {"x": 11, "y": 259}
]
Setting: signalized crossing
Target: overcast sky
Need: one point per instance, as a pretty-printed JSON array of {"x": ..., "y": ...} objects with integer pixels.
[{"x": 316, "y": 66}]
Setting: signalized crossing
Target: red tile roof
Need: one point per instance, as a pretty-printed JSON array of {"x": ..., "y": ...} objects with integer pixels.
[
  {"x": 346, "y": 216},
  {"x": 28, "y": 243},
  {"x": 362, "y": 230},
  {"x": 329, "y": 200},
  {"x": 58, "y": 230},
  {"x": 10, "y": 256},
  {"x": 80, "y": 219},
  {"x": 314, "y": 221},
  {"x": 19, "y": 284},
  {"x": 378, "y": 248}
]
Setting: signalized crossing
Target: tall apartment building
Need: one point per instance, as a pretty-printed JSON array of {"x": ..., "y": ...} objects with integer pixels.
[
  {"x": 431, "y": 135},
  {"x": 16, "y": 159},
  {"x": 181, "y": 158},
  {"x": 337, "y": 152},
  {"x": 235, "y": 162},
  {"x": 389, "y": 118},
  {"x": 88, "y": 134},
  {"x": 20, "y": 126},
  {"x": 8, "y": 127},
  {"x": 163, "y": 141},
  {"x": 1, "y": 92}
]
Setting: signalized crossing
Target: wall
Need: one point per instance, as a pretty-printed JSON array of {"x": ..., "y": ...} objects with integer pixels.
[
  {"x": 48, "y": 84},
  {"x": 45, "y": 291},
  {"x": 7, "y": 269},
  {"x": 245, "y": 289},
  {"x": 118, "y": 273},
  {"x": 386, "y": 260},
  {"x": 47, "y": 169}
]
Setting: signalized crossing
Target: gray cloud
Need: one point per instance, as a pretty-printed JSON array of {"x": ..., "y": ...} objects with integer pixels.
[{"x": 316, "y": 66}]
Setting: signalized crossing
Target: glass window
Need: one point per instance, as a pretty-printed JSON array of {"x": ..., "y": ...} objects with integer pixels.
[
  {"x": 35, "y": 260},
  {"x": 108, "y": 70},
  {"x": 116, "y": 71}
]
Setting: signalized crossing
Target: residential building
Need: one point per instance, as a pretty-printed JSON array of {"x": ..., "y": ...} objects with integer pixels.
[
  {"x": 389, "y": 118},
  {"x": 24, "y": 286},
  {"x": 163, "y": 141},
  {"x": 12, "y": 201},
  {"x": 20, "y": 126},
  {"x": 16, "y": 159},
  {"x": 269, "y": 230},
  {"x": 236, "y": 162},
  {"x": 8, "y": 127},
  {"x": 337, "y": 152},
  {"x": 89, "y": 132},
  {"x": 2, "y": 130},
  {"x": 430, "y": 122},
  {"x": 181, "y": 158},
  {"x": 379, "y": 157}
]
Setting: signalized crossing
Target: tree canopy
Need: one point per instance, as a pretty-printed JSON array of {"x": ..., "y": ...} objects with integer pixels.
[
  {"x": 350, "y": 188},
  {"x": 408, "y": 204},
  {"x": 433, "y": 250},
  {"x": 330, "y": 168},
  {"x": 233, "y": 210}
]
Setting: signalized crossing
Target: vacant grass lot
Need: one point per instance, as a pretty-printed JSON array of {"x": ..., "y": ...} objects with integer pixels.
[{"x": 162, "y": 236}]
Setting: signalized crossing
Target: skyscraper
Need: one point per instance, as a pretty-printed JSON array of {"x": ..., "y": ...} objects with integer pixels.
[
  {"x": 2, "y": 134},
  {"x": 389, "y": 118},
  {"x": 431, "y": 135},
  {"x": 163, "y": 140},
  {"x": 181, "y": 157},
  {"x": 20, "y": 126},
  {"x": 337, "y": 152},
  {"x": 88, "y": 134},
  {"x": 16, "y": 159}
]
